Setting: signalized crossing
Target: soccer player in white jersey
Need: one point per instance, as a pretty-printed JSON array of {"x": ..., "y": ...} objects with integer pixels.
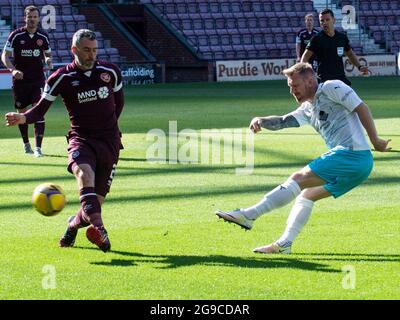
[{"x": 339, "y": 116}]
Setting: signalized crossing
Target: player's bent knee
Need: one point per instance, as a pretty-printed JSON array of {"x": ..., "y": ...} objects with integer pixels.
[
  {"x": 315, "y": 194},
  {"x": 84, "y": 173},
  {"x": 298, "y": 176},
  {"x": 306, "y": 179}
]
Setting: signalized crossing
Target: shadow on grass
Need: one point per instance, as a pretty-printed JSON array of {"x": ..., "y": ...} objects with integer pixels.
[
  {"x": 351, "y": 257},
  {"x": 178, "y": 261},
  {"x": 208, "y": 193}
]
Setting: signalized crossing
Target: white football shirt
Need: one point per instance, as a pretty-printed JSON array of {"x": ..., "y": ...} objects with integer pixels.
[{"x": 331, "y": 114}]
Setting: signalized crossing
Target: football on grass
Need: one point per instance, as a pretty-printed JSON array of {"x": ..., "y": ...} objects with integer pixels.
[{"x": 48, "y": 199}]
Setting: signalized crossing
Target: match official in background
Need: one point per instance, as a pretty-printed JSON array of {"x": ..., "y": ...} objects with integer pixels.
[
  {"x": 329, "y": 46},
  {"x": 303, "y": 38},
  {"x": 30, "y": 46}
]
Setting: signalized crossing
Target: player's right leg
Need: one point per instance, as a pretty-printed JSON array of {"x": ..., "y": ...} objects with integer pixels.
[
  {"x": 277, "y": 198},
  {"x": 297, "y": 219},
  {"x": 21, "y": 103}
]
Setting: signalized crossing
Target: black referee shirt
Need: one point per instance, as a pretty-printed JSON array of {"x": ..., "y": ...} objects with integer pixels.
[{"x": 329, "y": 52}]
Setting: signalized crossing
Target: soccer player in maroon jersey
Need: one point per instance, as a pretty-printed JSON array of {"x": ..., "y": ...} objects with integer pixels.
[
  {"x": 29, "y": 45},
  {"x": 303, "y": 38},
  {"x": 92, "y": 93}
]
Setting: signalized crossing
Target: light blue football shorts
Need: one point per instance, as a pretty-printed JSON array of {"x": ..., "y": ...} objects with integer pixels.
[{"x": 343, "y": 169}]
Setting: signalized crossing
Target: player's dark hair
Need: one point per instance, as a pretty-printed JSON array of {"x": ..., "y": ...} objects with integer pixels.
[
  {"x": 83, "y": 33},
  {"x": 327, "y": 11},
  {"x": 29, "y": 9}
]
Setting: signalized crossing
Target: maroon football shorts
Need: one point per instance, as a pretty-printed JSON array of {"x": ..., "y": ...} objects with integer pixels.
[
  {"x": 26, "y": 94},
  {"x": 101, "y": 154}
]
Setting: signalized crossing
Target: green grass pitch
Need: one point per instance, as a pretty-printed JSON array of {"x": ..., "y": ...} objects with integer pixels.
[{"x": 166, "y": 241}]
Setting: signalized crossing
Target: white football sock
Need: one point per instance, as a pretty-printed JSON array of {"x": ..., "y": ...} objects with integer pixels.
[
  {"x": 280, "y": 196},
  {"x": 297, "y": 219}
]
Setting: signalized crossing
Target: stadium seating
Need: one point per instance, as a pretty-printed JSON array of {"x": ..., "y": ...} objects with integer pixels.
[
  {"x": 237, "y": 29},
  {"x": 381, "y": 19},
  {"x": 68, "y": 20},
  {"x": 266, "y": 29}
]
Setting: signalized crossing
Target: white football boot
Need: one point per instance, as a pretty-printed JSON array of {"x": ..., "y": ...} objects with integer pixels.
[
  {"x": 237, "y": 217},
  {"x": 38, "y": 152},
  {"x": 274, "y": 248}
]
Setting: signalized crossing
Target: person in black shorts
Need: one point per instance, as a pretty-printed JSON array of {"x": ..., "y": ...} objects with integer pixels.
[
  {"x": 329, "y": 46},
  {"x": 303, "y": 38},
  {"x": 30, "y": 46}
]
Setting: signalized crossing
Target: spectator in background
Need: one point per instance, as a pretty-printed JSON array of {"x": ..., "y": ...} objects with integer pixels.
[
  {"x": 329, "y": 46},
  {"x": 303, "y": 38}
]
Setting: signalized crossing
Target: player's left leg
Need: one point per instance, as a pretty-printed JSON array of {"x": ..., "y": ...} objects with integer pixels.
[
  {"x": 39, "y": 125},
  {"x": 105, "y": 169},
  {"x": 297, "y": 219}
]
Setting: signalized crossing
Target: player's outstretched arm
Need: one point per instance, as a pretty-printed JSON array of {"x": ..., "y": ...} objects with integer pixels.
[
  {"x": 367, "y": 121},
  {"x": 14, "y": 118},
  {"x": 307, "y": 55},
  {"x": 273, "y": 123},
  {"x": 31, "y": 116}
]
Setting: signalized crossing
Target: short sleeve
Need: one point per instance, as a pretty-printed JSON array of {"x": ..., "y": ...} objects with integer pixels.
[
  {"x": 341, "y": 93},
  {"x": 302, "y": 114},
  {"x": 118, "y": 79},
  {"x": 46, "y": 43},
  {"x": 9, "y": 46},
  {"x": 347, "y": 46},
  {"x": 298, "y": 39},
  {"x": 52, "y": 87}
]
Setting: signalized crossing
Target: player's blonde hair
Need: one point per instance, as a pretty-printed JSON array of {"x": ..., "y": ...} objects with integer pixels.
[
  {"x": 302, "y": 68},
  {"x": 82, "y": 33}
]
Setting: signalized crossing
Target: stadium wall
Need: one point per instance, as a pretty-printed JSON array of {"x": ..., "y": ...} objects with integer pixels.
[{"x": 271, "y": 69}]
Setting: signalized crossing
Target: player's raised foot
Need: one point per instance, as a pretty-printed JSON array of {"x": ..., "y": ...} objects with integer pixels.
[
  {"x": 99, "y": 237},
  {"x": 38, "y": 152},
  {"x": 237, "y": 217},
  {"x": 274, "y": 248},
  {"x": 28, "y": 148},
  {"x": 68, "y": 239}
]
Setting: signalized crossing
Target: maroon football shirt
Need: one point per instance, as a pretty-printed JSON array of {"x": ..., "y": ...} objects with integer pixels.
[
  {"x": 28, "y": 52},
  {"x": 88, "y": 97}
]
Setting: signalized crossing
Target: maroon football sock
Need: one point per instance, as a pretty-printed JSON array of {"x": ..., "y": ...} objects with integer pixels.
[
  {"x": 23, "y": 128},
  {"x": 91, "y": 206},
  {"x": 39, "y": 132},
  {"x": 80, "y": 220}
]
